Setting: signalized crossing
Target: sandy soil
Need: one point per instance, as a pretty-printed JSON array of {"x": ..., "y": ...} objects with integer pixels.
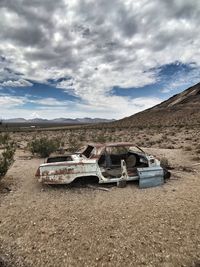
[{"x": 62, "y": 226}]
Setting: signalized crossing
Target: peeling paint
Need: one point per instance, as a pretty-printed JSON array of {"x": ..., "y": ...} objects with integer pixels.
[{"x": 86, "y": 163}]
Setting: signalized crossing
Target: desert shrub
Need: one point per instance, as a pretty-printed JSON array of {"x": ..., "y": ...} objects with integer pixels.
[
  {"x": 188, "y": 148},
  {"x": 151, "y": 143},
  {"x": 159, "y": 141},
  {"x": 165, "y": 137},
  {"x": 4, "y": 138},
  {"x": 164, "y": 162},
  {"x": 170, "y": 147},
  {"x": 73, "y": 143},
  {"x": 188, "y": 138},
  {"x": 110, "y": 138},
  {"x": 82, "y": 136},
  {"x": 196, "y": 158},
  {"x": 101, "y": 138},
  {"x": 43, "y": 146},
  {"x": 7, "y": 155},
  {"x": 198, "y": 146}
]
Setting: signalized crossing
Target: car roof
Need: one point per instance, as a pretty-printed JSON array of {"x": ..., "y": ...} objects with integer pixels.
[{"x": 116, "y": 144}]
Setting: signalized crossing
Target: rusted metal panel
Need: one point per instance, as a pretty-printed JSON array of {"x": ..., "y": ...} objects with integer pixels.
[
  {"x": 150, "y": 176},
  {"x": 65, "y": 173}
]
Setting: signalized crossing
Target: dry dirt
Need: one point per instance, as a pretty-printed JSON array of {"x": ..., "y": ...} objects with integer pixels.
[{"x": 80, "y": 226}]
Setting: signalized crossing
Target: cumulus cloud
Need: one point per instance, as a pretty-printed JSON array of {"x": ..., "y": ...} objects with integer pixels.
[
  {"x": 50, "y": 101},
  {"x": 52, "y": 108},
  {"x": 19, "y": 83},
  {"x": 97, "y": 44},
  {"x": 9, "y": 102}
]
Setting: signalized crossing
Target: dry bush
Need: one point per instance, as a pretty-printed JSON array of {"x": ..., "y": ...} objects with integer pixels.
[
  {"x": 73, "y": 143},
  {"x": 196, "y": 158},
  {"x": 43, "y": 146},
  {"x": 188, "y": 138},
  {"x": 188, "y": 148},
  {"x": 198, "y": 147},
  {"x": 164, "y": 163},
  {"x": 170, "y": 147},
  {"x": 7, "y": 156},
  {"x": 101, "y": 138}
]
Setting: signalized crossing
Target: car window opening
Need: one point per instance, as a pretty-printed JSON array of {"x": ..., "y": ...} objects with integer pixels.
[
  {"x": 87, "y": 151},
  {"x": 59, "y": 159},
  {"x": 110, "y": 162}
]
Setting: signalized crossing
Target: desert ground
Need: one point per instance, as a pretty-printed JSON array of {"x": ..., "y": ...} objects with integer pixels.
[{"x": 79, "y": 225}]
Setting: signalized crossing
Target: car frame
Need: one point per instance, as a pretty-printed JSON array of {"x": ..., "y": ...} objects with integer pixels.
[{"x": 109, "y": 162}]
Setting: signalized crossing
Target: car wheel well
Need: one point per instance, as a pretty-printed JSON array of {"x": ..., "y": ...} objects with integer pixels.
[
  {"x": 83, "y": 180},
  {"x": 167, "y": 174}
]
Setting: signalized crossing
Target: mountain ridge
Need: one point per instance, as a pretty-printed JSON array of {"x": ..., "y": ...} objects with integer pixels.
[
  {"x": 180, "y": 109},
  {"x": 58, "y": 120}
]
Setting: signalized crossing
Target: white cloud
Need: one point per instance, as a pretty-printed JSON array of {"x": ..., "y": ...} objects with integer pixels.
[
  {"x": 51, "y": 108},
  {"x": 33, "y": 115},
  {"x": 8, "y": 102},
  {"x": 50, "y": 101},
  {"x": 19, "y": 83},
  {"x": 98, "y": 44}
]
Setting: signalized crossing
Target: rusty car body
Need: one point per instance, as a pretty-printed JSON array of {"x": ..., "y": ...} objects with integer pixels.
[{"x": 110, "y": 163}]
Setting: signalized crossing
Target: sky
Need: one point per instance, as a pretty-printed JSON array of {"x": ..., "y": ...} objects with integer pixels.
[{"x": 95, "y": 58}]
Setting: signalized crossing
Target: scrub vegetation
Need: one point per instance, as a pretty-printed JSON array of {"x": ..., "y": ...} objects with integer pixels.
[
  {"x": 43, "y": 146},
  {"x": 7, "y": 149}
]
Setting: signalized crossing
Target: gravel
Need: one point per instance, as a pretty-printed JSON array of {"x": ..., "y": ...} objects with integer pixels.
[{"x": 80, "y": 226}]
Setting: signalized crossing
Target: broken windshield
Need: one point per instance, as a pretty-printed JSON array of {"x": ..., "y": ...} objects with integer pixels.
[{"x": 87, "y": 151}]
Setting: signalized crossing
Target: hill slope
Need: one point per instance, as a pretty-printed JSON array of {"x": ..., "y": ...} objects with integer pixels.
[{"x": 180, "y": 109}]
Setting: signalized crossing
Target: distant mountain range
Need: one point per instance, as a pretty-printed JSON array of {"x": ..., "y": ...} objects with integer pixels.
[
  {"x": 181, "y": 109},
  {"x": 57, "y": 121}
]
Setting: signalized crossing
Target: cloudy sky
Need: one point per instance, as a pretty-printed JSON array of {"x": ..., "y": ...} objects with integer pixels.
[{"x": 100, "y": 58}]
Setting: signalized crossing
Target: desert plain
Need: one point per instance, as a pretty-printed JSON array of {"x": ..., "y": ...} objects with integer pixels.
[{"x": 80, "y": 225}]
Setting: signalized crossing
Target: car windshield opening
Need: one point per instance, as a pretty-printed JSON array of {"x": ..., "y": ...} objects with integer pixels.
[{"x": 87, "y": 151}]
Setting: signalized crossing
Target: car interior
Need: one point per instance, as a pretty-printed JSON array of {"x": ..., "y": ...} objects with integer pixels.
[{"x": 110, "y": 161}]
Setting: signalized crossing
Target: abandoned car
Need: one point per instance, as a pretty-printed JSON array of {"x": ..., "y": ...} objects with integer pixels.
[{"x": 110, "y": 163}]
